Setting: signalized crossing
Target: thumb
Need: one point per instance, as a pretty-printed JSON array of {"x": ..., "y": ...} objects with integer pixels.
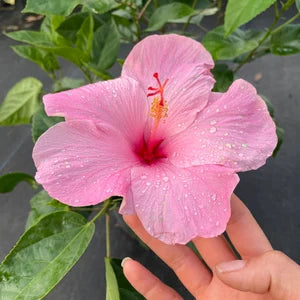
[{"x": 271, "y": 272}]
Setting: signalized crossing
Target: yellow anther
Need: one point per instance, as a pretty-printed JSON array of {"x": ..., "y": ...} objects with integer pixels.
[{"x": 159, "y": 109}]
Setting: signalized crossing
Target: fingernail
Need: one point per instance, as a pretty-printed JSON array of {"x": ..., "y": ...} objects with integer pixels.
[
  {"x": 230, "y": 266},
  {"x": 124, "y": 261}
]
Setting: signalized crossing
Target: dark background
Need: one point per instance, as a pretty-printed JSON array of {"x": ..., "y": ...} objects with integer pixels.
[{"x": 271, "y": 193}]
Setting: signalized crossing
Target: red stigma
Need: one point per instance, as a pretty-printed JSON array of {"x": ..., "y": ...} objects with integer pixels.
[{"x": 159, "y": 89}]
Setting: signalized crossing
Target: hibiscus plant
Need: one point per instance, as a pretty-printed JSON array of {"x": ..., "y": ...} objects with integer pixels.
[{"x": 164, "y": 140}]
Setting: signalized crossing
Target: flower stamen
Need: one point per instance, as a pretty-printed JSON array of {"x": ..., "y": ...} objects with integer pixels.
[{"x": 159, "y": 106}]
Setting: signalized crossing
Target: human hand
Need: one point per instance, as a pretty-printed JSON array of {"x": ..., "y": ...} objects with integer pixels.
[{"x": 263, "y": 273}]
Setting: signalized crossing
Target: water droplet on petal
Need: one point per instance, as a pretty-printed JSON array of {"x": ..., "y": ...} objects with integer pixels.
[
  {"x": 228, "y": 145},
  {"x": 213, "y": 122},
  {"x": 165, "y": 179},
  {"x": 212, "y": 129}
]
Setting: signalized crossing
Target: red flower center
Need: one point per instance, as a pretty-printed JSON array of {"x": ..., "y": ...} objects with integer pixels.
[
  {"x": 150, "y": 154},
  {"x": 151, "y": 151}
]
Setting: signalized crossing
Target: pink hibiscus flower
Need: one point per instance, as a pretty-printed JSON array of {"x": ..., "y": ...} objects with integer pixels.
[{"x": 158, "y": 137}]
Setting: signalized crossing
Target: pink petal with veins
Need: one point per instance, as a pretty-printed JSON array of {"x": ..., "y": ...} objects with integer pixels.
[
  {"x": 185, "y": 63},
  {"x": 120, "y": 103},
  {"x": 235, "y": 130},
  {"x": 175, "y": 204},
  {"x": 81, "y": 163}
]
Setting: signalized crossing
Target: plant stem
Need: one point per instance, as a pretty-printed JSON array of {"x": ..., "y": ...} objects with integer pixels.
[
  {"x": 276, "y": 9},
  {"x": 135, "y": 20},
  {"x": 203, "y": 28},
  {"x": 220, "y": 14},
  {"x": 107, "y": 219},
  {"x": 286, "y": 23},
  {"x": 85, "y": 209},
  {"x": 86, "y": 74},
  {"x": 186, "y": 24},
  {"x": 103, "y": 211},
  {"x": 143, "y": 9},
  {"x": 268, "y": 33}
]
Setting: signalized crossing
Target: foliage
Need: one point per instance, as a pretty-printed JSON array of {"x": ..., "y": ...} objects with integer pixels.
[
  {"x": 21, "y": 102},
  {"x": 240, "y": 12},
  {"x": 118, "y": 288},
  {"x": 89, "y": 34},
  {"x": 9, "y": 181}
]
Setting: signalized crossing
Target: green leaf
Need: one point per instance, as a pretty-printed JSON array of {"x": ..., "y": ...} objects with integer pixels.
[
  {"x": 286, "y": 41},
  {"x": 21, "y": 102},
  {"x": 121, "y": 61},
  {"x": 117, "y": 286},
  {"x": 52, "y": 7},
  {"x": 102, "y": 6},
  {"x": 112, "y": 289},
  {"x": 280, "y": 134},
  {"x": 237, "y": 43},
  {"x": 298, "y": 4},
  {"x": 126, "y": 26},
  {"x": 197, "y": 16},
  {"x": 104, "y": 75},
  {"x": 279, "y": 130},
  {"x": 46, "y": 60},
  {"x": 106, "y": 46},
  {"x": 166, "y": 13},
  {"x": 50, "y": 25},
  {"x": 59, "y": 46},
  {"x": 43, "y": 255},
  {"x": 69, "y": 27},
  {"x": 9, "y": 181},
  {"x": 269, "y": 105},
  {"x": 223, "y": 76},
  {"x": 239, "y": 12},
  {"x": 69, "y": 53},
  {"x": 67, "y": 83},
  {"x": 84, "y": 35},
  {"x": 195, "y": 250},
  {"x": 41, "y": 122},
  {"x": 41, "y": 205},
  {"x": 30, "y": 37}
]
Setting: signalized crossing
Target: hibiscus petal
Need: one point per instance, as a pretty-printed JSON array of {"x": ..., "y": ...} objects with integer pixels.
[
  {"x": 176, "y": 204},
  {"x": 185, "y": 63},
  {"x": 82, "y": 163},
  {"x": 120, "y": 103},
  {"x": 234, "y": 130}
]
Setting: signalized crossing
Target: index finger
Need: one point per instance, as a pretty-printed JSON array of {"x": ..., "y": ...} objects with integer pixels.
[
  {"x": 184, "y": 262},
  {"x": 244, "y": 232}
]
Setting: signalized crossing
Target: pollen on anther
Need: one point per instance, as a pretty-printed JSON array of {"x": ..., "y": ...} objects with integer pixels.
[{"x": 158, "y": 111}]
